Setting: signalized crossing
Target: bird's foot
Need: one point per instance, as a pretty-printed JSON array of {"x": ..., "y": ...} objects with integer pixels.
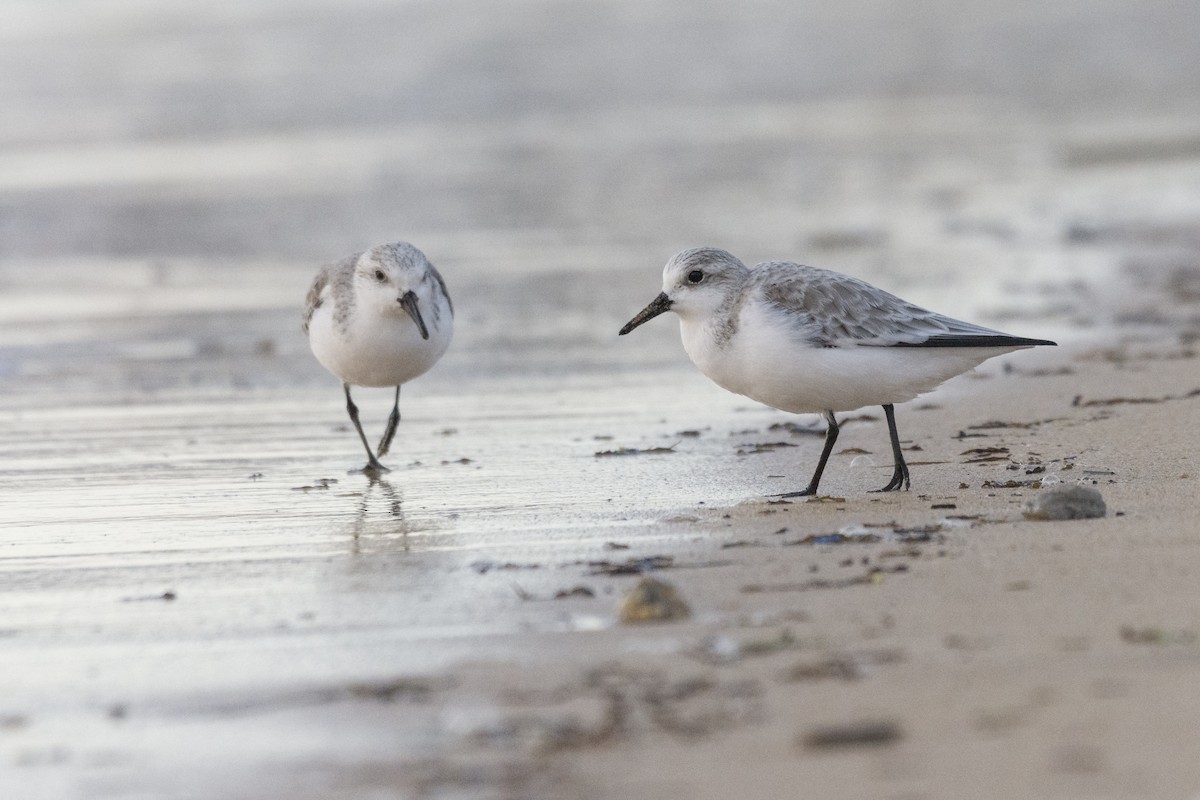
[
  {"x": 373, "y": 469},
  {"x": 808, "y": 491},
  {"x": 899, "y": 481}
]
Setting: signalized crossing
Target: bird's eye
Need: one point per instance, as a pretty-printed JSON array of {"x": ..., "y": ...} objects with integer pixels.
[
  {"x": 379, "y": 276},
  {"x": 695, "y": 276}
]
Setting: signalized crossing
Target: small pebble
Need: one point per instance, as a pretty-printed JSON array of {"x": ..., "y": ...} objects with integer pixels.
[
  {"x": 652, "y": 601},
  {"x": 1065, "y": 502}
]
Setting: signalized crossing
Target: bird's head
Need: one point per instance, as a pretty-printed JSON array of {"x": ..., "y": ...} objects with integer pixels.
[
  {"x": 695, "y": 284},
  {"x": 391, "y": 277}
]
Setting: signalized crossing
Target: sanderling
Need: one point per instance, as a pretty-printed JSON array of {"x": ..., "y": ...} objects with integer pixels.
[
  {"x": 379, "y": 318},
  {"x": 808, "y": 340}
]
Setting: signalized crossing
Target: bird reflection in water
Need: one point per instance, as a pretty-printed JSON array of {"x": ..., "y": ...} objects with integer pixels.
[{"x": 379, "y": 521}]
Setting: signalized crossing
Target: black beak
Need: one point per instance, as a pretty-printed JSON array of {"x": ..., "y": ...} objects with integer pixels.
[
  {"x": 409, "y": 302},
  {"x": 657, "y": 306}
]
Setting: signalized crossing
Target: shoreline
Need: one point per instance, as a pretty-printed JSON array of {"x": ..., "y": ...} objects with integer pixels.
[{"x": 994, "y": 656}]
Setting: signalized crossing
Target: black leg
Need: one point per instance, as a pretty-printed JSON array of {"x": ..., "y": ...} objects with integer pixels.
[
  {"x": 373, "y": 464},
  {"x": 389, "y": 432},
  {"x": 831, "y": 434},
  {"x": 900, "y": 473}
]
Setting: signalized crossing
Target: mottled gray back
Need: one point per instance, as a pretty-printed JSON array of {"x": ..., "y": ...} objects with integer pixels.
[{"x": 828, "y": 309}]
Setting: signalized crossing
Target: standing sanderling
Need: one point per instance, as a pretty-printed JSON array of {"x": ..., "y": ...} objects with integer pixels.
[
  {"x": 379, "y": 318},
  {"x": 809, "y": 340}
]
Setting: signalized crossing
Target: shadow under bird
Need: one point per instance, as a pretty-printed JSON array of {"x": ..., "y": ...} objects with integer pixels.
[
  {"x": 379, "y": 318},
  {"x": 808, "y": 340}
]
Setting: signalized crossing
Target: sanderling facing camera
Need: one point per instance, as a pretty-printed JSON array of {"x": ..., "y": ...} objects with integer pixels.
[
  {"x": 808, "y": 340},
  {"x": 379, "y": 318}
]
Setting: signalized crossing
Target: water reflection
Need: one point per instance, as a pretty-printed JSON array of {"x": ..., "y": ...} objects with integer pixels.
[{"x": 379, "y": 521}]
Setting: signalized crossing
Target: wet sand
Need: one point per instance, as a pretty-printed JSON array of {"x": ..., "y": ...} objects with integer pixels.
[
  {"x": 198, "y": 600},
  {"x": 201, "y": 600}
]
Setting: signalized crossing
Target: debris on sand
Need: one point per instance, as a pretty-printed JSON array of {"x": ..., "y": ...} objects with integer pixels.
[
  {"x": 1065, "y": 502},
  {"x": 576, "y": 591},
  {"x": 168, "y": 596},
  {"x": 652, "y": 601},
  {"x": 866, "y": 733},
  {"x": 763, "y": 447},
  {"x": 980, "y": 455},
  {"x": 323, "y": 483},
  {"x": 829, "y": 668},
  {"x": 1079, "y": 402},
  {"x": 796, "y": 429},
  {"x": 391, "y": 691},
  {"x": 1034, "y": 483},
  {"x": 871, "y": 577},
  {"x": 1155, "y": 635},
  {"x": 634, "y": 451},
  {"x": 483, "y": 566},
  {"x": 630, "y": 566},
  {"x": 996, "y": 424}
]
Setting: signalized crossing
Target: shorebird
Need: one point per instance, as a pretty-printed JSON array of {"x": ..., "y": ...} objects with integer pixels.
[
  {"x": 809, "y": 340},
  {"x": 379, "y": 318}
]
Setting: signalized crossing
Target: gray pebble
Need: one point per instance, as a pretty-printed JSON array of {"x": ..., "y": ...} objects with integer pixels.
[{"x": 1065, "y": 502}]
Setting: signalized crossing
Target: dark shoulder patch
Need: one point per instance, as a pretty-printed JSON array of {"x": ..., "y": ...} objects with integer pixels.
[
  {"x": 313, "y": 301},
  {"x": 441, "y": 282}
]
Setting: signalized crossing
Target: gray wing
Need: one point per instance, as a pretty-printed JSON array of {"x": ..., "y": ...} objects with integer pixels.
[
  {"x": 313, "y": 301},
  {"x": 829, "y": 309},
  {"x": 441, "y": 284},
  {"x": 339, "y": 272}
]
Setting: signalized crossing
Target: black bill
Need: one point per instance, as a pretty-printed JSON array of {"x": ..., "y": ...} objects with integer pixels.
[
  {"x": 409, "y": 302},
  {"x": 657, "y": 306}
]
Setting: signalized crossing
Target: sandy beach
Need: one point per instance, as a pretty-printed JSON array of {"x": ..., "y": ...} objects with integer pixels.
[
  {"x": 199, "y": 600},
  {"x": 422, "y": 636}
]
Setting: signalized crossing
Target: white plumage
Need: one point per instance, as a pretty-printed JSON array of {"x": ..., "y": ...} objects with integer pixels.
[
  {"x": 802, "y": 339},
  {"x": 379, "y": 318}
]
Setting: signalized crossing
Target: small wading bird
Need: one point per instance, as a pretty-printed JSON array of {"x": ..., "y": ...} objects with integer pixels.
[
  {"x": 808, "y": 340},
  {"x": 379, "y": 318}
]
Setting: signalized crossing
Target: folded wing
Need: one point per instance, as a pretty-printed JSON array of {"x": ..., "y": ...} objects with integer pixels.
[{"x": 829, "y": 309}]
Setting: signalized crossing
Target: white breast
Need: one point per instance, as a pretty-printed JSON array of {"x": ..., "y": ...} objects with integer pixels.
[{"x": 377, "y": 347}]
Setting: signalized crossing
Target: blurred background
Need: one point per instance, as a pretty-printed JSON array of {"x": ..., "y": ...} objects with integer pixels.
[{"x": 173, "y": 173}]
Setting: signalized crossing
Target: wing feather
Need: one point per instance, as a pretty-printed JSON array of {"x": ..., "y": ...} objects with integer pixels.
[
  {"x": 828, "y": 309},
  {"x": 441, "y": 284},
  {"x": 314, "y": 300},
  {"x": 336, "y": 277}
]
